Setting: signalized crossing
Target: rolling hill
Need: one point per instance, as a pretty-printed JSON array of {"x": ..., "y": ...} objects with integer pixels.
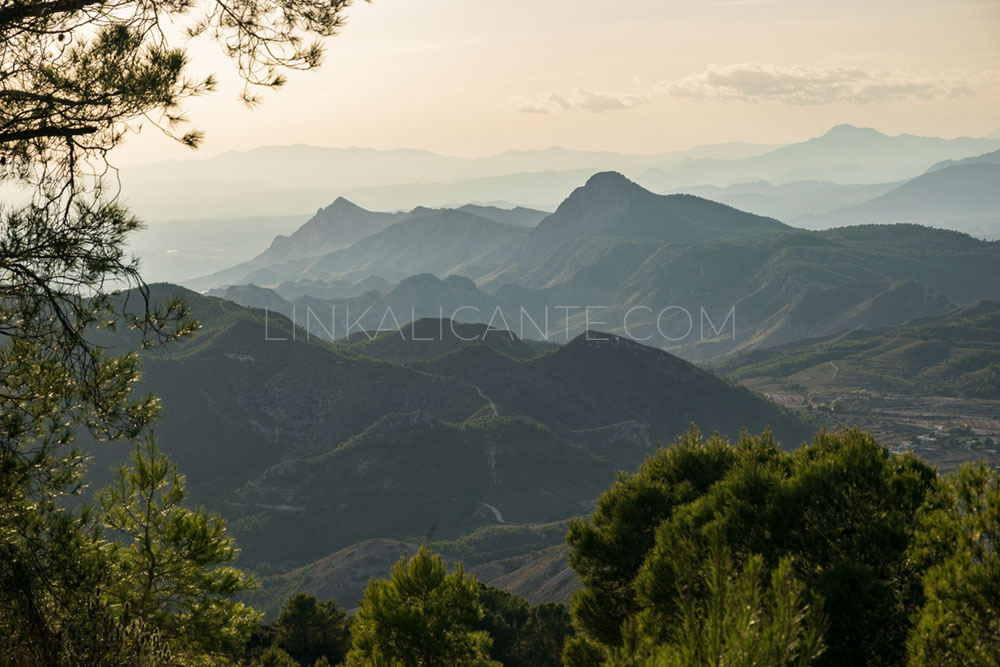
[
  {"x": 428, "y": 338},
  {"x": 284, "y": 434},
  {"x": 956, "y": 354}
]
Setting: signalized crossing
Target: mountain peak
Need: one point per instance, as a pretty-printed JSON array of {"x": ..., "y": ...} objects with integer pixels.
[
  {"x": 846, "y": 130},
  {"x": 343, "y": 205},
  {"x": 609, "y": 178}
]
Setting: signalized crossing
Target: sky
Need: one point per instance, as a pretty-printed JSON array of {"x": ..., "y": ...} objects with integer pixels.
[{"x": 476, "y": 77}]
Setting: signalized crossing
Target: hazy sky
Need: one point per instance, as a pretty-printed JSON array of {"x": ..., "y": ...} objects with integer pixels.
[{"x": 472, "y": 77}]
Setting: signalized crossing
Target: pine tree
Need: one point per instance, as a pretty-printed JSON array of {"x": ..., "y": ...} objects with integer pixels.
[
  {"x": 171, "y": 571},
  {"x": 420, "y": 617},
  {"x": 959, "y": 623}
]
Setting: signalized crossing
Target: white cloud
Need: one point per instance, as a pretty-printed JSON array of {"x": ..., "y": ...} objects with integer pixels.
[
  {"x": 581, "y": 100},
  {"x": 808, "y": 85}
]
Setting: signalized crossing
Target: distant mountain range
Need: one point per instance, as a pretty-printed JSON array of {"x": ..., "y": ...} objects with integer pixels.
[
  {"x": 794, "y": 202},
  {"x": 635, "y": 256},
  {"x": 964, "y": 200},
  {"x": 988, "y": 158},
  {"x": 845, "y": 154},
  {"x": 964, "y": 196},
  {"x": 289, "y": 437},
  {"x": 344, "y": 239},
  {"x": 285, "y": 180}
]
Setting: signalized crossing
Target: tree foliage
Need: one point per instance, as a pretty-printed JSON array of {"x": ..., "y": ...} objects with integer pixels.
[
  {"x": 142, "y": 579},
  {"x": 75, "y": 77},
  {"x": 309, "y": 630},
  {"x": 523, "y": 635},
  {"x": 169, "y": 562},
  {"x": 730, "y": 616},
  {"x": 842, "y": 509},
  {"x": 421, "y": 616},
  {"x": 609, "y": 547},
  {"x": 958, "y": 539}
]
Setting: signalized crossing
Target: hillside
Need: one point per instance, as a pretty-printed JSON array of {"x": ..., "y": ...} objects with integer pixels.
[
  {"x": 289, "y": 436},
  {"x": 427, "y": 242},
  {"x": 422, "y": 295},
  {"x": 799, "y": 285},
  {"x": 343, "y": 224},
  {"x": 542, "y": 575},
  {"x": 518, "y": 216},
  {"x": 600, "y": 379},
  {"x": 608, "y": 211},
  {"x": 609, "y": 204},
  {"x": 410, "y": 474},
  {"x": 956, "y": 354},
  {"x": 796, "y": 286},
  {"x": 428, "y": 338}
]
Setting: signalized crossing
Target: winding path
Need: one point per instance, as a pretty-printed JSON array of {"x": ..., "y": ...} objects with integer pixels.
[
  {"x": 489, "y": 401},
  {"x": 495, "y": 511}
]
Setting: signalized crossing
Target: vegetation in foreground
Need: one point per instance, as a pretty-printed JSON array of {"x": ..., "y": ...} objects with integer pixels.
[{"x": 838, "y": 553}]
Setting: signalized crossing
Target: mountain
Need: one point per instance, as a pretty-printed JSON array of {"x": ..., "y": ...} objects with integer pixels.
[
  {"x": 342, "y": 169},
  {"x": 293, "y": 180},
  {"x": 599, "y": 379},
  {"x": 989, "y": 158},
  {"x": 330, "y": 289},
  {"x": 712, "y": 299},
  {"x": 343, "y": 224},
  {"x": 611, "y": 205},
  {"x": 956, "y": 354},
  {"x": 609, "y": 210},
  {"x": 288, "y": 435},
  {"x": 336, "y": 226},
  {"x": 428, "y": 338},
  {"x": 964, "y": 197},
  {"x": 698, "y": 278},
  {"x": 429, "y": 241},
  {"x": 792, "y": 203},
  {"x": 383, "y": 310},
  {"x": 518, "y": 216},
  {"x": 845, "y": 154}
]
